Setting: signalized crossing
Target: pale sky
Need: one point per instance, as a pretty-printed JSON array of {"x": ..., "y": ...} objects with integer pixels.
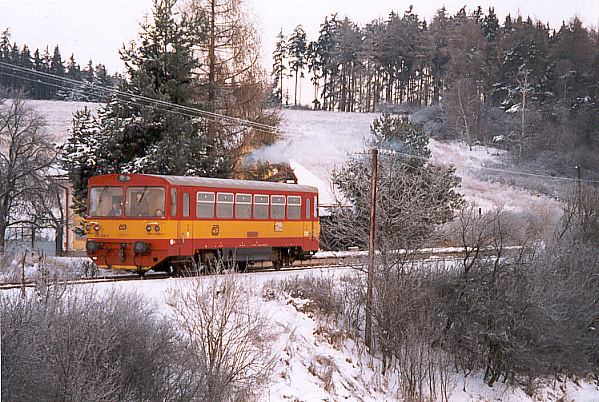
[{"x": 96, "y": 29}]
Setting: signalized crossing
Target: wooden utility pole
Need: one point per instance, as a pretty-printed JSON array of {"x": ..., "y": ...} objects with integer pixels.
[{"x": 371, "y": 249}]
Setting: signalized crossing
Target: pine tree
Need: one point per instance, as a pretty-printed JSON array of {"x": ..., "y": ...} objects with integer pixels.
[
  {"x": 297, "y": 47},
  {"x": 88, "y": 72},
  {"x": 56, "y": 63},
  {"x": 279, "y": 56},
  {"x": 73, "y": 71},
  {"x": 322, "y": 63}
]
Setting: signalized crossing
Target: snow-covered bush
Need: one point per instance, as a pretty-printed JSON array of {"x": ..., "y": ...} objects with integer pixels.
[
  {"x": 321, "y": 292},
  {"x": 62, "y": 344}
]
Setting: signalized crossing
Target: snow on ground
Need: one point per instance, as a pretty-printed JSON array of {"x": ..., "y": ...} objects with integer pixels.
[
  {"x": 321, "y": 141},
  {"x": 315, "y": 361},
  {"x": 59, "y": 115}
]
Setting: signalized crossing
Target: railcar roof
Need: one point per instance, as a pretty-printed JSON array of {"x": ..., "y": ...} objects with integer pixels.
[{"x": 231, "y": 183}]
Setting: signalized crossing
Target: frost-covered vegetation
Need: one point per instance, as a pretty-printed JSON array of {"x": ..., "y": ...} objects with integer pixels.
[
  {"x": 189, "y": 56},
  {"x": 517, "y": 317},
  {"x": 68, "y": 343}
]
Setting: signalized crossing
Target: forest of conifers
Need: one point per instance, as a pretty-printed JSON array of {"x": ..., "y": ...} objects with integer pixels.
[
  {"x": 44, "y": 62},
  {"x": 404, "y": 59}
]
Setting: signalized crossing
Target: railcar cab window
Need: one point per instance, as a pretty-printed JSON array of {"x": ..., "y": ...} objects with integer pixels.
[
  {"x": 205, "y": 205},
  {"x": 224, "y": 205},
  {"x": 294, "y": 207},
  {"x": 277, "y": 206},
  {"x": 145, "y": 201},
  {"x": 106, "y": 201},
  {"x": 260, "y": 206},
  {"x": 243, "y": 206}
]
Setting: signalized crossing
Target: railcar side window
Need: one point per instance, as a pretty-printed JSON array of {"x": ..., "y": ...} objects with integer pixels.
[
  {"x": 205, "y": 205},
  {"x": 243, "y": 206},
  {"x": 145, "y": 201},
  {"x": 224, "y": 205},
  {"x": 260, "y": 207},
  {"x": 316, "y": 206},
  {"x": 185, "y": 205},
  {"x": 277, "y": 207},
  {"x": 294, "y": 207},
  {"x": 106, "y": 201},
  {"x": 173, "y": 201},
  {"x": 308, "y": 208}
]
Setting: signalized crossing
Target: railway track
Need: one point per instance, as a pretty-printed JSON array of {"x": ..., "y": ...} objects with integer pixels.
[{"x": 327, "y": 259}]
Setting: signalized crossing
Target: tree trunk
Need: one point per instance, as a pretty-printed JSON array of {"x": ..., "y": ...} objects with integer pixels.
[
  {"x": 2, "y": 237},
  {"x": 211, "y": 135},
  {"x": 295, "y": 90},
  {"x": 58, "y": 249}
]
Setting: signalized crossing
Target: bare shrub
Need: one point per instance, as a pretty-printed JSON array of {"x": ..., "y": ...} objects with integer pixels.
[
  {"x": 226, "y": 338},
  {"x": 62, "y": 345},
  {"x": 10, "y": 267},
  {"x": 523, "y": 317},
  {"x": 319, "y": 290}
]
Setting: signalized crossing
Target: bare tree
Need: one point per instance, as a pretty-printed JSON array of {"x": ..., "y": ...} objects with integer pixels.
[
  {"x": 229, "y": 79},
  {"x": 26, "y": 154},
  {"x": 226, "y": 337}
]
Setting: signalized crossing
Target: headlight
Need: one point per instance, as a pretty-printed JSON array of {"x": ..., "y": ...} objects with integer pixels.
[
  {"x": 88, "y": 227},
  {"x": 148, "y": 228},
  {"x": 157, "y": 228},
  {"x": 97, "y": 228}
]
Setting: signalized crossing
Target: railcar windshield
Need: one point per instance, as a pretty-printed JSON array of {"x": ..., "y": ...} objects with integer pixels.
[
  {"x": 106, "y": 201},
  {"x": 145, "y": 201}
]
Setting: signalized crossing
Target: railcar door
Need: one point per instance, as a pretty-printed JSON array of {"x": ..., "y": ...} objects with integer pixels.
[
  {"x": 185, "y": 225},
  {"x": 308, "y": 223},
  {"x": 314, "y": 219}
]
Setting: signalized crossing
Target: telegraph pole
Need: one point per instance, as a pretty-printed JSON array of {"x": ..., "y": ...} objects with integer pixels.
[{"x": 371, "y": 249}]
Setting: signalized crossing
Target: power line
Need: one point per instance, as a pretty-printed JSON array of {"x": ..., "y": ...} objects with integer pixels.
[
  {"x": 391, "y": 152},
  {"x": 82, "y": 92},
  {"x": 191, "y": 112},
  {"x": 212, "y": 116}
]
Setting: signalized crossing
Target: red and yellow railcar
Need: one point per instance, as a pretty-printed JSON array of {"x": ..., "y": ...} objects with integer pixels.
[{"x": 141, "y": 222}]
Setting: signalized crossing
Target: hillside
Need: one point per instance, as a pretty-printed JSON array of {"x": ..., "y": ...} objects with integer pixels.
[{"x": 321, "y": 141}]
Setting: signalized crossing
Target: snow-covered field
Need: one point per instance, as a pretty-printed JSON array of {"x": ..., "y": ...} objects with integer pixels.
[
  {"x": 316, "y": 361},
  {"x": 321, "y": 141},
  {"x": 59, "y": 115}
]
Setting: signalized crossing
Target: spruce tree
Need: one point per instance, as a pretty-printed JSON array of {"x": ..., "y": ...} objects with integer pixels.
[
  {"x": 140, "y": 136},
  {"x": 81, "y": 153}
]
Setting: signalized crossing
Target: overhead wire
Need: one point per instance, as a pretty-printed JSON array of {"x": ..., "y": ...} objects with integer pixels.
[
  {"x": 195, "y": 112},
  {"x": 392, "y": 152},
  {"x": 191, "y": 112}
]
